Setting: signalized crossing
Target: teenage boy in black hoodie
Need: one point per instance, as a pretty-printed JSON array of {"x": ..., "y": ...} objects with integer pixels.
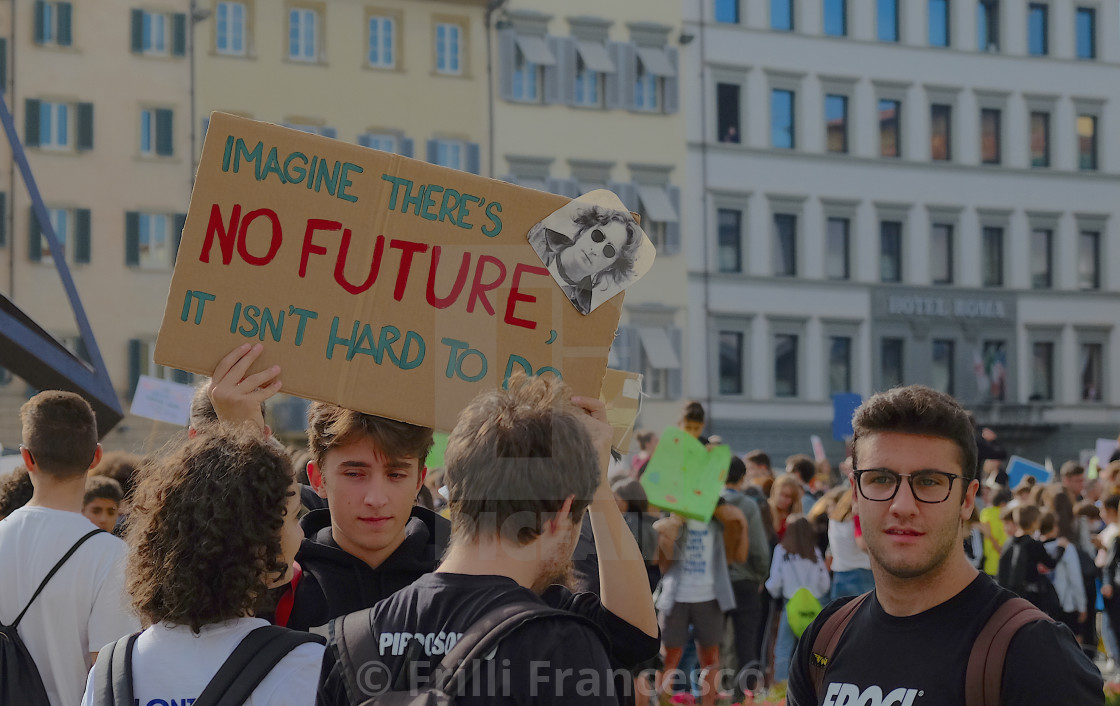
[{"x": 371, "y": 540}]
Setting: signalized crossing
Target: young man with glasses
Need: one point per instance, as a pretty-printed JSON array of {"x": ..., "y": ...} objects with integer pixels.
[{"x": 909, "y": 641}]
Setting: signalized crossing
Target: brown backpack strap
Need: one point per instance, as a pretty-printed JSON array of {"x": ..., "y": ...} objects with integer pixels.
[
  {"x": 827, "y": 639},
  {"x": 983, "y": 682}
]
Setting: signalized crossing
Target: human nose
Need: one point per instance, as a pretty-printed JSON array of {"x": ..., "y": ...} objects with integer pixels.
[
  {"x": 904, "y": 502},
  {"x": 374, "y": 495}
]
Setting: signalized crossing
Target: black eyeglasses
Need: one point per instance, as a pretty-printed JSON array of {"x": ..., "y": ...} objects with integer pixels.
[
  {"x": 598, "y": 236},
  {"x": 881, "y": 484}
]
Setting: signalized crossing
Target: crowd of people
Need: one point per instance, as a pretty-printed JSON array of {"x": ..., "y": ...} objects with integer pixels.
[{"x": 531, "y": 568}]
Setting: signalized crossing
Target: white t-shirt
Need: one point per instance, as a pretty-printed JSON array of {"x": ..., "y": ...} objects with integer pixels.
[
  {"x": 83, "y": 606},
  {"x": 171, "y": 664},
  {"x": 846, "y": 554},
  {"x": 697, "y": 583}
]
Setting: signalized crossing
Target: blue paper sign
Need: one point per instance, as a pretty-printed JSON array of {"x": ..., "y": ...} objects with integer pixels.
[
  {"x": 1018, "y": 468},
  {"x": 843, "y": 407}
]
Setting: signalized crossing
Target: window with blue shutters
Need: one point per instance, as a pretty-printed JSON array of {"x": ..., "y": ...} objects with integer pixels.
[
  {"x": 53, "y": 22},
  {"x": 158, "y": 33}
]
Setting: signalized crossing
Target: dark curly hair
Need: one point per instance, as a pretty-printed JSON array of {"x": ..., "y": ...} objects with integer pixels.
[
  {"x": 15, "y": 491},
  {"x": 622, "y": 268},
  {"x": 205, "y": 528}
]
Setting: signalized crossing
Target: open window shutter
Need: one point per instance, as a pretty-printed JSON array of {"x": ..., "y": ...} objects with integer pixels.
[
  {"x": 3, "y": 218},
  {"x": 34, "y": 239},
  {"x": 4, "y": 64},
  {"x": 507, "y": 39},
  {"x": 553, "y": 93},
  {"x": 565, "y": 51},
  {"x": 627, "y": 191},
  {"x": 407, "y": 146},
  {"x": 612, "y": 92},
  {"x": 672, "y": 83},
  {"x": 64, "y": 39},
  {"x": 31, "y": 123},
  {"x": 81, "y": 236},
  {"x": 205, "y": 127},
  {"x": 675, "y": 373},
  {"x": 165, "y": 134},
  {"x": 85, "y": 126},
  {"x": 180, "y": 376},
  {"x": 177, "y": 222},
  {"x": 624, "y": 347},
  {"x": 433, "y": 151},
  {"x": 627, "y": 63},
  {"x": 179, "y": 34},
  {"x": 331, "y": 132},
  {"x": 135, "y": 350},
  {"x": 137, "y": 31},
  {"x": 40, "y": 29},
  {"x": 474, "y": 158},
  {"x": 132, "y": 238},
  {"x": 673, "y": 230}
]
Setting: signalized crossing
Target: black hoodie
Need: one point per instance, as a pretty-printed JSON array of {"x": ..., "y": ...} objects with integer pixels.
[{"x": 335, "y": 582}]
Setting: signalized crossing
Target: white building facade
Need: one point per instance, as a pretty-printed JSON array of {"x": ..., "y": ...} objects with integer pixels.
[{"x": 885, "y": 192}]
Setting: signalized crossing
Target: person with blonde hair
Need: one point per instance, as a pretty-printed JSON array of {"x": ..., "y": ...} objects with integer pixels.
[{"x": 785, "y": 500}]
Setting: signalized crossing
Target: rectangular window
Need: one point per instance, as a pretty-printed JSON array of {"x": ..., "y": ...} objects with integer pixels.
[
  {"x": 449, "y": 153},
  {"x": 303, "y": 34},
  {"x": 588, "y": 85},
  {"x": 992, "y": 256},
  {"x": 836, "y": 123},
  {"x": 527, "y": 78},
  {"x": 1040, "y": 139},
  {"x": 727, "y": 11},
  {"x": 987, "y": 25},
  {"x": 52, "y": 23},
  {"x": 1088, "y": 260},
  {"x": 887, "y": 20},
  {"x": 1041, "y": 258},
  {"x": 941, "y": 132},
  {"x": 992, "y": 380},
  {"x": 647, "y": 89},
  {"x": 1086, "y": 33},
  {"x": 1087, "y": 142},
  {"x": 54, "y": 126},
  {"x": 785, "y": 245},
  {"x": 449, "y": 57},
  {"x": 941, "y": 253},
  {"x": 382, "y": 44},
  {"x": 782, "y": 119},
  {"x": 1092, "y": 372},
  {"x": 781, "y": 15},
  {"x": 839, "y": 364},
  {"x": 990, "y": 148},
  {"x": 942, "y": 373},
  {"x": 154, "y": 26},
  {"x": 727, "y": 112},
  {"x": 890, "y": 251},
  {"x": 229, "y": 30},
  {"x": 1042, "y": 371},
  {"x": 60, "y": 224},
  {"x": 156, "y": 138},
  {"x": 379, "y": 141},
  {"x": 836, "y": 248},
  {"x": 1038, "y": 30},
  {"x": 890, "y": 133},
  {"x": 730, "y": 363},
  {"x": 155, "y": 241},
  {"x": 890, "y": 362},
  {"x": 939, "y": 23},
  {"x": 836, "y": 17},
  {"x": 730, "y": 256},
  {"x": 785, "y": 365}
]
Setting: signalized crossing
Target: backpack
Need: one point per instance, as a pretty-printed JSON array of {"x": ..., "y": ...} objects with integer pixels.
[
  {"x": 246, "y": 667},
  {"x": 1013, "y": 568},
  {"x": 988, "y": 654},
  {"x": 801, "y": 608},
  {"x": 20, "y": 681},
  {"x": 358, "y": 649}
]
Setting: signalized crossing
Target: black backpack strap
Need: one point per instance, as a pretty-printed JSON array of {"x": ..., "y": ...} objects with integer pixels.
[
  {"x": 353, "y": 633},
  {"x": 249, "y": 663},
  {"x": 983, "y": 683},
  {"x": 50, "y": 575},
  {"x": 112, "y": 679},
  {"x": 827, "y": 639},
  {"x": 484, "y": 635}
]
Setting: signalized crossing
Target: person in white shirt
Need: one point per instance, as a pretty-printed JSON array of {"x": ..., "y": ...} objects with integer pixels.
[
  {"x": 214, "y": 526},
  {"x": 798, "y": 563},
  {"x": 83, "y": 605}
]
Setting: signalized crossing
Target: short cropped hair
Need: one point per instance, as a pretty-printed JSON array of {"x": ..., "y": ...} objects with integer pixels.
[
  {"x": 1046, "y": 523},
  {"x": 330, "y": 426},
  {"x": 693, "y": 412},
  {"x": 1026, "y": 515},
  {"x": 758, "y": 458},
  {"x": 205, "y": 529},
  {"x": 121, "y": 466},
  {"x": 103, "y": 488},
  {"x": 1071, "y": 468},
  {"x": 736, "y": 471},
  {"x": 513, "y": 459},
  {"x": 920, "y": 410},
  {"x": 60, "y": 431},
  {"x": 803, "y": 466}
]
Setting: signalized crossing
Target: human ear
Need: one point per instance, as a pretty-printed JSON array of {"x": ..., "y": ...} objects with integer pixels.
[{"x": 315, "y": 477}]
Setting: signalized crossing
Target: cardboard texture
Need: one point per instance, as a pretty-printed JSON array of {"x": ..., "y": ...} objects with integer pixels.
[
  {"x": 380, "y": 283},
  {"x": 685, "y": 477},
  {"x": 622, "y": 393}
]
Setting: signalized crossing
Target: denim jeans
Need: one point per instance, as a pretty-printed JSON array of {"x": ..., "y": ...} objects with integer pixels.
[
  {"x": 783, "y": 648},
  {"x": 855, "y": 582}
]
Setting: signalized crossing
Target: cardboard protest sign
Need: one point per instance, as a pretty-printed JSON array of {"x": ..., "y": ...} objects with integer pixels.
[
  {"x": 684, "y": 477},
  {"x": 162, "y": 400},
  {"x": 377, "y": 282},
  {"x": 1018, "y": 467},
  {"x": 593, "y": 248},
  {"x": 622, "y": 393}
]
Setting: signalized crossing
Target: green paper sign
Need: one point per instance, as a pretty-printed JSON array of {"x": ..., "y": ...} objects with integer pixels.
[
  {"x": 685, "y": 477},
  {"x": 439, "y": 446}
]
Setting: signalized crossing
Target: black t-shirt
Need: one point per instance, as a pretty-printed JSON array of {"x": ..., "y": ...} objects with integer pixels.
[
  {"x": 547, "y": 661},
  {"x": 921, "y": 659}
]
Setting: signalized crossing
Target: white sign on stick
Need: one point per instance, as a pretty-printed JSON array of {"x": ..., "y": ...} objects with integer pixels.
[{"x": 163, "y": 400}]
